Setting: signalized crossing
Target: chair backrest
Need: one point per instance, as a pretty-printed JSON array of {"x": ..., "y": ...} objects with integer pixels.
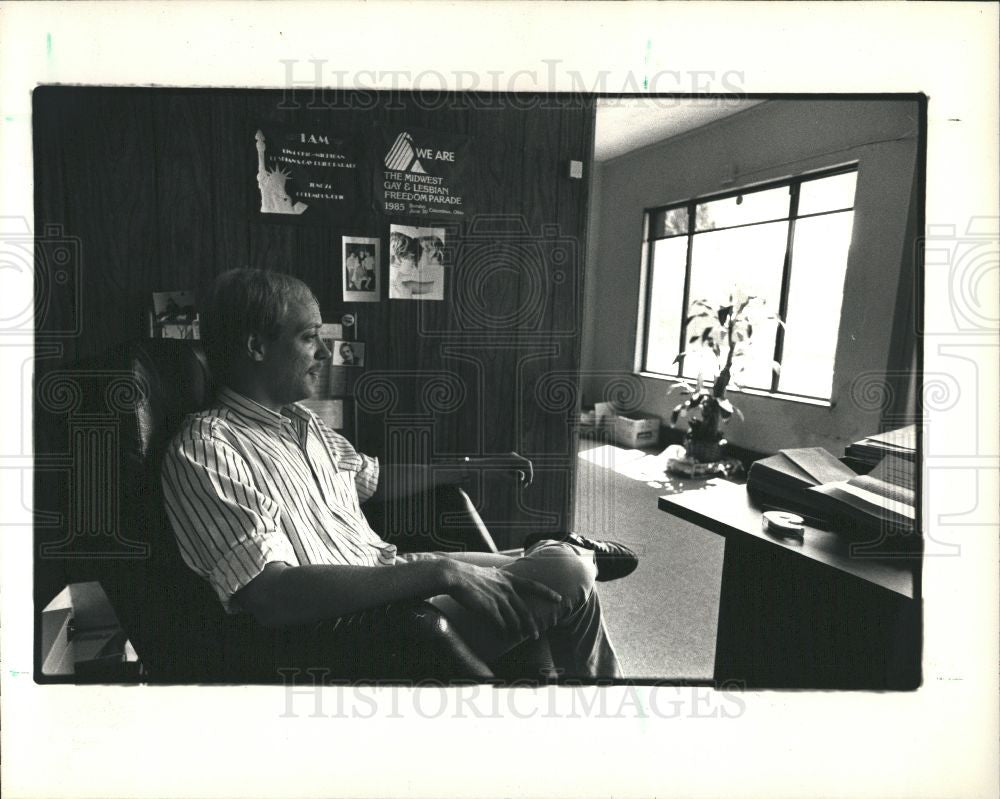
[
  {"x": 173, "y": 617},
  {"x": 172, "y": 380}
]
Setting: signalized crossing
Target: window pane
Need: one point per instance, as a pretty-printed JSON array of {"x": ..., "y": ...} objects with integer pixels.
[
  {"x": 750, "y": 261},
  {"x": 672, "y": 222},
  {"x": 815, "y": 295},
  {"x": 827, "y": 194},
  {"x": 756, "y": 206},
  {"x": 666, "y": 271}
]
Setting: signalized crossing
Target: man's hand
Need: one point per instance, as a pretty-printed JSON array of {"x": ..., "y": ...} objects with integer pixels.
[
  {"x": 525, "y": 470},
  {"x": 498, "y": 595},
  {"x": 518, "y": 463}
]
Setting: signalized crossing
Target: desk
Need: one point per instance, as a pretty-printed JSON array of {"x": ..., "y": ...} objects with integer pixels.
[{"x": 805, "y": 613}]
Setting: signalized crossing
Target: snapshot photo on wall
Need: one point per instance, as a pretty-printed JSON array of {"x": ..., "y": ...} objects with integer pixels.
[
  {"x": 416, "y": 263},
  {"x": 348, "y": 353},
  {"x": 174, "y": 315},
  {"x": 360, "y": 259}
]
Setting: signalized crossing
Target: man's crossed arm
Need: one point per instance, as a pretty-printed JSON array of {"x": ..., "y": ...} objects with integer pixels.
[{"x": 283, "y": 595}]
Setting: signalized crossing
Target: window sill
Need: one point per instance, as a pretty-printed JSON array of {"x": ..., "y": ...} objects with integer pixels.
[{"x": 753, "y": 392}]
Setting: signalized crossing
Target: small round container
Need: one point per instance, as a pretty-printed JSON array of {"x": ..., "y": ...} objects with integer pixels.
[{"x": 779, "y": 522}]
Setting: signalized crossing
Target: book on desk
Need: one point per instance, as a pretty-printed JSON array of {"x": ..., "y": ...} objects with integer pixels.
[{"x": 827, "y": 492}]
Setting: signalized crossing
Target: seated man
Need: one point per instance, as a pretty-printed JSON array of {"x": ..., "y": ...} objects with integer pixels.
[{"x": 264, "y": 500}]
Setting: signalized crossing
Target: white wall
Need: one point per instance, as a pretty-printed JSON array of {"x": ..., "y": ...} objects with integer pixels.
[{"x": 770, "y": 141}]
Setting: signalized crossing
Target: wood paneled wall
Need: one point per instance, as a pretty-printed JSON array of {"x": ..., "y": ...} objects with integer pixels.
[{"x": 155, "y": 189}]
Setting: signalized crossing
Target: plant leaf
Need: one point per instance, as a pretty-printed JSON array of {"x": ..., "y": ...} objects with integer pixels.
[{"x": 683, "y": 386}]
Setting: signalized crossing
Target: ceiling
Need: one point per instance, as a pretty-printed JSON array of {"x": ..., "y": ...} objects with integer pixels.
[{"x": 626, "y": 124}]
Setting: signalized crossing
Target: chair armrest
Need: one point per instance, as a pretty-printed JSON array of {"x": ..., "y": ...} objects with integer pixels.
[
  {"x": 409, "y": 640},
  {"x": 444, "y": 519},
  {"x": 442, "y": 651}
]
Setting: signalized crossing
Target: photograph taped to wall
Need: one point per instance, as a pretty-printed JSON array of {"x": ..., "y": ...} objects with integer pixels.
[
  {"x": 348, "y": 353},
  {"x": 416, "y": 263},
  {"x": 174, "y": 315},
  {"x": 361, "y": 268}
]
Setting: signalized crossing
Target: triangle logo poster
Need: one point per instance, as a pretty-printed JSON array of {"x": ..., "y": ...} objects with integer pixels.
[{"x": 425, "y": 173}]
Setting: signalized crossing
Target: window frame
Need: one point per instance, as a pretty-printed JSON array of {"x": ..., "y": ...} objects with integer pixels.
[{"x": 794, "y": 183}]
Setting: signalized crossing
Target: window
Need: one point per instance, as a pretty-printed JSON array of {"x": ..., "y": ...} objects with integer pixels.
[{"x": 785, "y": 243}]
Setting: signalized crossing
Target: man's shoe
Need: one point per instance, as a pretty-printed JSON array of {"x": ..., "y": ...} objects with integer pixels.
[{"x": 613, "y": 560}]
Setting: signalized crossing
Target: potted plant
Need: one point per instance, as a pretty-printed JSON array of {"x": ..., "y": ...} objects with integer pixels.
[{"x": 721, "y": 345}]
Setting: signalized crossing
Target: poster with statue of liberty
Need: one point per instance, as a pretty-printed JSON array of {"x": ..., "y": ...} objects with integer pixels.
[{"x": 308, "y": 175}]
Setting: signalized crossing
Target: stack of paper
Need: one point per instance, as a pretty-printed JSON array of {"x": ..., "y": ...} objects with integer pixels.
[{"x": 902, "y": 443}]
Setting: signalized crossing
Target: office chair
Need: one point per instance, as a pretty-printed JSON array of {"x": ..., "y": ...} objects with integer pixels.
[{"x": 174, "y": 619}]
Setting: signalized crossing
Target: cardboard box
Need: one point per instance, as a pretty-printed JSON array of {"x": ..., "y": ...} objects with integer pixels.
[
  {"x": 81, "y": 636},
  {"x": 637, "y": 430}
]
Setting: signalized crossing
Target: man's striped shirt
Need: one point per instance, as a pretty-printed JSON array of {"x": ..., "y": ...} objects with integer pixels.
[{"x": 245, "y": 486}]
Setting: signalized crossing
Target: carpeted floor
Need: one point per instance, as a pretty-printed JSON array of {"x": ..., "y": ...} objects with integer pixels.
[{"x": 662, "y": 618}]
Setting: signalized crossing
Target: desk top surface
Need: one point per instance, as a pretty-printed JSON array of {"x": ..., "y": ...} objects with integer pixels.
[{"x": 724, "y": 508}]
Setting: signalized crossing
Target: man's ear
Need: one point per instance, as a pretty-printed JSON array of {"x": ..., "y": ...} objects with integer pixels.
[{"x": 256, "y": 346}]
